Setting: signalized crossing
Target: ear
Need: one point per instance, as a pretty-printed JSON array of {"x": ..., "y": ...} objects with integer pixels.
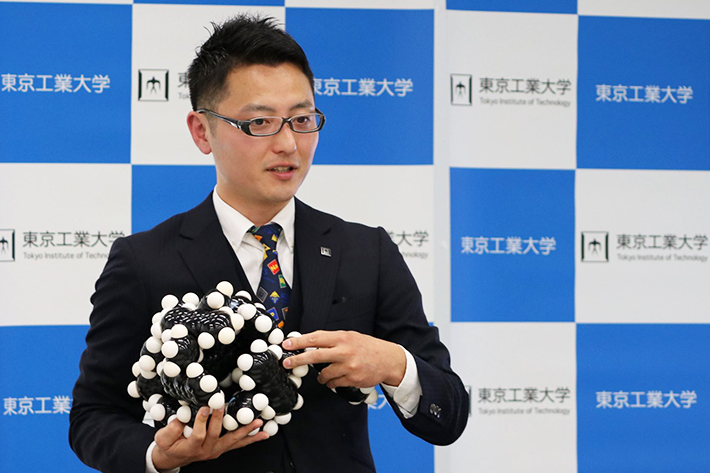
[{"x": 199, "y": 129}]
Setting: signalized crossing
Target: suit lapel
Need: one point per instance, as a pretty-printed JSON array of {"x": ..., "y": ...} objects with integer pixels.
[
  {"x": 206, "y": 251},
  {"x": 315, "y": 272}
]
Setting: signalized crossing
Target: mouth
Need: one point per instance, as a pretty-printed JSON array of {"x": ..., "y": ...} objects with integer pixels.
[{"x": 281, "y": 169}]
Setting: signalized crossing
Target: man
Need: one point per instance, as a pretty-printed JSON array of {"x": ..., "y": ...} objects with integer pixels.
[{"x": 352, "y": 295}]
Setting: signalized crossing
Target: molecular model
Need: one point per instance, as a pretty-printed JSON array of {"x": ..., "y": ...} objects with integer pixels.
[{"x": 202, "y": 352}]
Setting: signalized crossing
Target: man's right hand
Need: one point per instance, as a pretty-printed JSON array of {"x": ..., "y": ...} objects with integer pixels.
[{"x": 173, "y": 450}]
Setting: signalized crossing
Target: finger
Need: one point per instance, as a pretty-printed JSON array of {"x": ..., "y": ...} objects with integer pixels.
[
  {"x": 311, "y": 357},
  {"x": 331, "y": 372},
  {"x": 237, "y": 438},
  {"x": 199, "y": 429},
  {"x": 169, "y": 434},
  {"x": 245, "y": 430},
  {"x": 317, "y": 339},
  {"x": 337, "y": 375},
  {"x": 249, "y": 439},
  {"x": 340, "y": 382},
  {"x": 215, "y": 423},
  {"x": 168, "y": 452}
]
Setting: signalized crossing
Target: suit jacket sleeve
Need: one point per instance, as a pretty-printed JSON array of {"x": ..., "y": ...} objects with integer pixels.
[
  {"x": 106, "y": 429},
  {"x": 444, "y": 405}
]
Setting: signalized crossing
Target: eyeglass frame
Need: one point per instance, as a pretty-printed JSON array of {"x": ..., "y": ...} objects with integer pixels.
[{"x": 243, "y": 125}]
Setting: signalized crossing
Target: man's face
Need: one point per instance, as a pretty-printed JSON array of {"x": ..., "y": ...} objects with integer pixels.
[{"x": 258, "y": 175}]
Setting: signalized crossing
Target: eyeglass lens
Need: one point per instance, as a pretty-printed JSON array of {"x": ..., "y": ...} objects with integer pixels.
[{"x": 300, "y": 123}]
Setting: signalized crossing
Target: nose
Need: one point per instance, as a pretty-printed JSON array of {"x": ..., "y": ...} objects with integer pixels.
[{"x": 285, "y": 140}]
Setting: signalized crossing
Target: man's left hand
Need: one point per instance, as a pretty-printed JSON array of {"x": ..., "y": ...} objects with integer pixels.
[{"x": 355, "y": 359}]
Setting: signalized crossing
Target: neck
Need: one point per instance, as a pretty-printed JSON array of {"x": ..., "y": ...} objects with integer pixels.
[{"x": 258, "y": 214}]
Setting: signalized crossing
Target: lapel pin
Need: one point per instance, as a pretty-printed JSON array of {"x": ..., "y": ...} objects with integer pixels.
[{"x": 325, "y": 251}]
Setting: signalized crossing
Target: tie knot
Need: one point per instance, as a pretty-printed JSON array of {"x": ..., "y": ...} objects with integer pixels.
[{"x": 268, "y": 235}]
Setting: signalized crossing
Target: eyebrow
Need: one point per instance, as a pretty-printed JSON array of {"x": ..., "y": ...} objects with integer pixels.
[{"x": 255, "y": 107}]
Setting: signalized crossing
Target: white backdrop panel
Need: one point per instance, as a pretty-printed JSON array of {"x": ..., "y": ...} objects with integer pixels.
[
  {"x": 655, "y": 242},
  {"x": 521, "y": 70},
  {"x": 64, "y": 218},
  {"x": 691, "y": 9},
  {"x": 523, "y": 397}
]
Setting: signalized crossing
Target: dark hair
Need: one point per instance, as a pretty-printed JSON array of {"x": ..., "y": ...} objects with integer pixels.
[{"x": 240, "y": 41}]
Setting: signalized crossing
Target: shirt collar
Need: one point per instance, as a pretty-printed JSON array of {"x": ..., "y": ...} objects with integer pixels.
[{"x": 235, "y": 225}]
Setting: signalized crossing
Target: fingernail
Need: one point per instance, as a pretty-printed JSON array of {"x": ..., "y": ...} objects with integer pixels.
[
  {"x": 204, "y": 411},
  {"x": 287, "y": 343},
  {"x": 287, "y": 362}
]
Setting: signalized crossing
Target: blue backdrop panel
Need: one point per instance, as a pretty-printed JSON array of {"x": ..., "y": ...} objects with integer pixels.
[
  {"x": 65, "y": 82},
  {"x": 525, "y": 6},
  {"x": 642, "y": 398},
  {"x": 395, "y": 450},
  {"x": 40, "y": 365},
  {"x": 643, "y": 99},
  {"x": 376, "y": 71},
  {"x": 512, "y": 245},
  {"x": 159, "y": 192}
]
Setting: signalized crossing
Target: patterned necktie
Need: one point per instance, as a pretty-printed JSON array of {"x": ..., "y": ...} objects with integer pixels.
[{"x": 274, "y": 292}]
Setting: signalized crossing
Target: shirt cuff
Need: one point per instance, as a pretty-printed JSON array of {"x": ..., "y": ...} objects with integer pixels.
[
  {"x": 149, "y": 468},
  {"x": 407, "y": 394}
]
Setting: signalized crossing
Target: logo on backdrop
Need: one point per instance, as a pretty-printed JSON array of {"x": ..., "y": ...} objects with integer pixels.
[
  {"x": 523, "y": 400},
  {"x": 511, "y": 245},
  {"x": 363, "y": 87},
  {"x": 595, "y": 247},
  {"x": 644, "y": 247},
  {"x": 67, "y": 245},
  {"x": 38, "y": 405},
  {"x": 535, "y": 86},
  {"x": 511, "y": 91},
  {"x": 64, "y": 83},
  {"x": 412, "y": 244},
  {"x": 153, "y": 85},
  {"x": 530, "y": 91},
  {"x": 644, "y": 94},
  {"x": 461, "y": 89},
  {"x": 646, "y": 399},
  {"x": 7, "y": 245}
]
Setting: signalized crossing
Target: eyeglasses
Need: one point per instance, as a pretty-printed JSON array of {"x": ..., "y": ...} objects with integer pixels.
[{"x": 267, "y": 126}]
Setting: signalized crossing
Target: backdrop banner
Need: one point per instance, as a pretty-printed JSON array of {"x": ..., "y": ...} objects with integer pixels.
[{"x": 543, "y": 167}]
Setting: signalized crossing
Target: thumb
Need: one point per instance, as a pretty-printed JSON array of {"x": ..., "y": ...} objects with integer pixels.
[{"x": 169, "y": 434}]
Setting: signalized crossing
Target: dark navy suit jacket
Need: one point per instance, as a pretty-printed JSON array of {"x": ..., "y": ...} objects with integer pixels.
[{"x": 364, "y": 285}]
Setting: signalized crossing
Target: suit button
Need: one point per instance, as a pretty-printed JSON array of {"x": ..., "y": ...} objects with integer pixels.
[{"x": 435, "y": 410}]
